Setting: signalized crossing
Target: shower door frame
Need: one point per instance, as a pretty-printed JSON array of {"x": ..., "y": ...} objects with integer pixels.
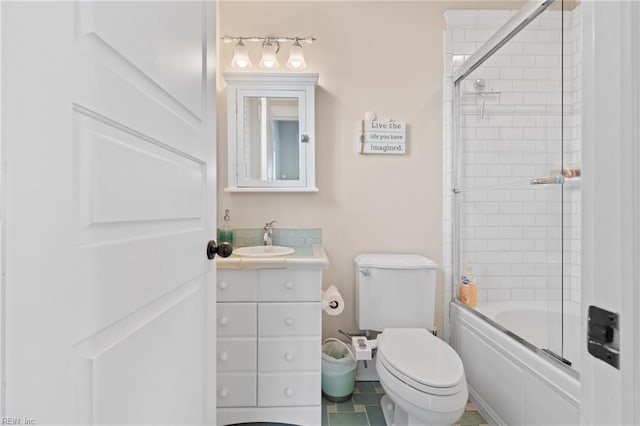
[{"x": 519, "y": 21}]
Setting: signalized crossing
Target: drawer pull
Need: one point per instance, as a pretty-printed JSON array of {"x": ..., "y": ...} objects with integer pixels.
[
  {"x": 222, "y": 285},
  {"x": 223, "y": 321},
  {"x": 289, "y": 321},
  {"x": 288, "y": 285},
  {"x": 289, "y": 356},
  {"x": 223, "y": 356},
  {"x": 223, "y": 393},
  {"x": 288, "y": 392}
]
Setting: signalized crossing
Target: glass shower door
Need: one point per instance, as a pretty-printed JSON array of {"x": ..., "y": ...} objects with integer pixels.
[{"x": 510, "y": 175}]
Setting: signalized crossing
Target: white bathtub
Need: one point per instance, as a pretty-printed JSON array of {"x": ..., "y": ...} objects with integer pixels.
[
  {"x": 540, "y": 324},
  {"x": 510, "y": 383}
]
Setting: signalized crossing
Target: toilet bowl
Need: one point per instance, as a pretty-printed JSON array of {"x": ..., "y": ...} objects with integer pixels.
[{"x": 422, "y": 376}]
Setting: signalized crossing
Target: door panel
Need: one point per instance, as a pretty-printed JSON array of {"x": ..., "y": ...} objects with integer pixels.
[
  {"x": 128, "y": 383},
  {"x": 170, "y": 188},
  {"x": 111, "y": 184},
  {"x": 168, "y": 51}
]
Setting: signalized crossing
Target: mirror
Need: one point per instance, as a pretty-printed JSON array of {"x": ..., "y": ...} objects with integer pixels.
[{"x": 271, "y": 132}]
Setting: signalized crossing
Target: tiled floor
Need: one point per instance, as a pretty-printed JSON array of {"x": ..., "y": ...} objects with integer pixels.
[{"x": 364, "y": 409}]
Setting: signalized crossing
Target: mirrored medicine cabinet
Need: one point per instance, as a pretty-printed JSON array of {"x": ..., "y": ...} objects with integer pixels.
[{"x": 271, "y": 140}]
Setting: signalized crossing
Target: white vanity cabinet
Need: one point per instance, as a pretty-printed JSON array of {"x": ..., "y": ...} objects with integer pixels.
[{"x": 269, "y": 325}]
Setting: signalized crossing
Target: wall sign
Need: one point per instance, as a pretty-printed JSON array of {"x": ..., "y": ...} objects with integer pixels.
[{"x": 377, "y": 137}]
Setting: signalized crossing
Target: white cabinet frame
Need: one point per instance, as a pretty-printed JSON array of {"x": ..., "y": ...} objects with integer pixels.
[{"x": 242, "y": 85}]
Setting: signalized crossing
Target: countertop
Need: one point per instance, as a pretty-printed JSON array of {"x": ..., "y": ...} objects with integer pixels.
[{"x": 308, "y": 257}]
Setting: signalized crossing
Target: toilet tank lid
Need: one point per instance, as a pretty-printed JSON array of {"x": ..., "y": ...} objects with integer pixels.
[{"x": 395, "y": 261}]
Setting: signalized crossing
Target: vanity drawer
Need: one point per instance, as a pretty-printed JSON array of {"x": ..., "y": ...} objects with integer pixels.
[
  {"x": 287, "y": 285},
  {"x": 237, "y": 285},
  {"x": 289, "y": 319},
  {"x": 236, "y": 354},
  {"x": 287, "y": 354},
  {"x": 236, "y": 319},
  {"x": 278, "y": 390},
  {"x": 236, "y": 390}
]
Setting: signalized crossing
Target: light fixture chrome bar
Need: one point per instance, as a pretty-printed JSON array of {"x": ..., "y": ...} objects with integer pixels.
[
  {"x": 230, "y": 39},
  {"x": 521, "y": 19}
]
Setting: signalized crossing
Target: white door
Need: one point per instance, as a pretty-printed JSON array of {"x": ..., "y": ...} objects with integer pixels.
[
  {"x": 108, "y": 135},
  {"x": 611, "y": 205}
]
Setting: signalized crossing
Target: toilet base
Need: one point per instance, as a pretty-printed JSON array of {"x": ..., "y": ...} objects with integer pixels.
[
  {"x": 396, "y": 416},
  {"x": 388, "y": 408}
]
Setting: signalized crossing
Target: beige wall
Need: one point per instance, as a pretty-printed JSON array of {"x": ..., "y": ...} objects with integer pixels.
[{"x": 384, "y": 57}]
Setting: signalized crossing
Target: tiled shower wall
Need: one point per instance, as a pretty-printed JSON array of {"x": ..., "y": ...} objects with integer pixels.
[{"x": 510, "y": 231}]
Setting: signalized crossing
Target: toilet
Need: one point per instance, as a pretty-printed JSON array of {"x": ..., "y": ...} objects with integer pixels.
[{"x": 422, "y": 376}]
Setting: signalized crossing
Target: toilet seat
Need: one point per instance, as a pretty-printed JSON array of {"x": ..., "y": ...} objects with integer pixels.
[{"x": 421, "y": 360}]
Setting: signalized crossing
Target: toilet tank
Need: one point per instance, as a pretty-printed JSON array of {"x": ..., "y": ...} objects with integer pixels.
[{"x": 395, "y": 290}]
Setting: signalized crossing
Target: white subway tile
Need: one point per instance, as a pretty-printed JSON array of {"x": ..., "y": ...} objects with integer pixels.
[
  {"x": 475, "y": 245},
  {"x": 499, "y": 170},
  {"x": 510, "y": 282},
  {"x": 522, "y": 269},
  {"x": 534, "y": 282},
  {"x": 499, "y": 220},
  {"x": 488, "y": 133},
  {"x": 523, "y": 294},
  {"x": 523, "y": 245},
  {"x": 498, "y": 294},
  {"x": 523, "y": 219},
  {"x": 476, "y": 35},
  {"x": 488, "y": 232},
  {"x": 511, "y": 257},
  {"x": 511, "y": 73},
  {"x": 498, "y": 245},
  {"x": 509, "y": 207},
  {"x": 534, "y": 74}
]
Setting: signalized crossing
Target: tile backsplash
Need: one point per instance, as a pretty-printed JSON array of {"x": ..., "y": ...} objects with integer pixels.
[{"x": 290, "y": 237}]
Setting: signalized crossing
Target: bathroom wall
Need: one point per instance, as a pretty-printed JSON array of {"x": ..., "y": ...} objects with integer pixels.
[{"x": 384, "y": 57}]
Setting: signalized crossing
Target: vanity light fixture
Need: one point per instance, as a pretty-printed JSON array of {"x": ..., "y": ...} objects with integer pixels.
[
  {"x": 269, "y": 60},
  {"x": 270, "y": 48},
  {"x": 296, "y": 57},
  {"x": 240, "y": 56}
]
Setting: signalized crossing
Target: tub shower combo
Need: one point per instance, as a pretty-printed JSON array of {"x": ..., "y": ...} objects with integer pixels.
[{"x": 513, "y": 156}]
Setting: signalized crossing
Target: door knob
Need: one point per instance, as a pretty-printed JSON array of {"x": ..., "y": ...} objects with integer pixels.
[{"x": 222, "y": 249}]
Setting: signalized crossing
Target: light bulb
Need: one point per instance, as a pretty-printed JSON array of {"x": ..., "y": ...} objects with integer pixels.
[
  {"x": 269, "y": 59},
  {"x": 240, "y": 56},
  {"x": 296, "y": 57}
]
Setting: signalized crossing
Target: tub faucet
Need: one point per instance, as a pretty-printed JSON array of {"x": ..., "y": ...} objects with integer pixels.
[{"x": 267, "y": 238}]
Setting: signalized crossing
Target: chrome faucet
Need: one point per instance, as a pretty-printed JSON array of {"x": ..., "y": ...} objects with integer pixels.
[{"x": 267, "y": 238}]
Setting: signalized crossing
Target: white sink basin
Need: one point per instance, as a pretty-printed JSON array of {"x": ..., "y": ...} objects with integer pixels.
[{"x": 263, "y": 251}]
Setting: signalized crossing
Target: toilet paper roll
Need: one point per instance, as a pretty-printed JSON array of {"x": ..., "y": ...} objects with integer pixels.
[{"x": 332, "y": 301}]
